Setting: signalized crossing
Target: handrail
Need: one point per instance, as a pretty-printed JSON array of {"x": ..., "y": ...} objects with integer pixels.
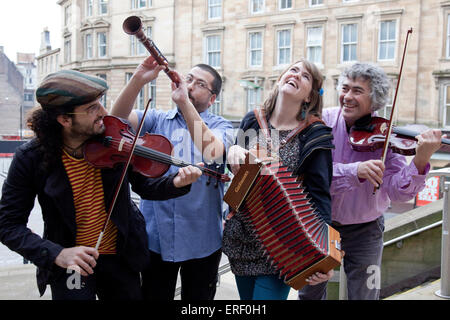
[{"x": 412, "y": 233}]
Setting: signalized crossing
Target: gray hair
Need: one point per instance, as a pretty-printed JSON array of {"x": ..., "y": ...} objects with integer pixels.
[{"x": 378, "y": 82}]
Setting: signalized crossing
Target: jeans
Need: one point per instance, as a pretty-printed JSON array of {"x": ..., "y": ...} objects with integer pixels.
[
  {"x": 363, "y": 247},
  {"x": 266, "y": 287}
]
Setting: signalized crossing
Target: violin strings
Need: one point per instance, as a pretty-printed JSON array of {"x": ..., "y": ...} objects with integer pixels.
[{"x": 160, "y": 156}]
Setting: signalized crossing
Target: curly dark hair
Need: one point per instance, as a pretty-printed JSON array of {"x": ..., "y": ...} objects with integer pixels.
[{"x": 48, "y": 132}]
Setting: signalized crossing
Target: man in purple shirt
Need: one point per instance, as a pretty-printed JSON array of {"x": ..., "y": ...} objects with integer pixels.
[{"x": 357, "y": 213}]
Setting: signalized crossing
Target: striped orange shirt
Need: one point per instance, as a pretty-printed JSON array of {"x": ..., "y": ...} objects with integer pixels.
[{"x": 88, "y": 196}]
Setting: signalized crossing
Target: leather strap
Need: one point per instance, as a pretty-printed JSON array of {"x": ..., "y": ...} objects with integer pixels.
[{"x": 262, "y": 121}]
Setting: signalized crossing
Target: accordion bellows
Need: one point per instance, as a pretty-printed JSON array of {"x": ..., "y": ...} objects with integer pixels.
[{"x": 294, "y": 237}]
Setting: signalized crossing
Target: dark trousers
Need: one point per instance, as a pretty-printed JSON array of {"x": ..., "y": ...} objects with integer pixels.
[
  {"x": 198, "y": 278},
  {"x": 363, "y": 247},
  {"x": 112, "y": 280}
]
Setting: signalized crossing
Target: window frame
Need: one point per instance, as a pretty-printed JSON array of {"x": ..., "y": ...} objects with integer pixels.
[
  {"x": 307, "y": 46},
  {"x": 103, "y": 4},
  {"x": 88, "y": 46},
  {"x": 207, "y": 52},
  {"x": 316, "y": 4},
  {"x": 209, "y": 10},
  {"x": 395, "y": 41},
  {"x": 251, "y": 7},
  {"x": 280, "y": 2},
  {"x": 277, "y": 47},
  {"x": 251, "y": 50},
  {"x": 342, "y": 44},
  {"x": 100, "y": 45}
]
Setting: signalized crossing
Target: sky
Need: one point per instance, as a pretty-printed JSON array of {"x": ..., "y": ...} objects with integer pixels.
[{"x": 22, "y": 22}]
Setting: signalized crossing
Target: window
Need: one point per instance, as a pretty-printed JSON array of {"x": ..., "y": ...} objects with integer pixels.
[
  {"x": 253, "y": 98},
  {"x": 216, "y": 107},
  {"x": 349, "y": 42},
  {"x": 447, "y": 106},
  {"x": 28, "y": 97},
  {"x": 214, "y": 9},
  {"x": 256, "y": 6},
  {"x": 313, "y": 3},
  {"x": 285, "y": 4},
  {"x": 387, "y": 40},
  {"x": 67, "y": 15},
  {"x": 140, "y": 98},
  {"x": 255, "y": 49},
  {"x": 138, "y": 4},
  {"x": 101, "y": 49},
  {"x": 448, "y": 38},
  {"x": 89, "y": 6},
  {"x": 212, "y": 55},
  {"x": 314, "y": 44},
  {"x": 102, "y": 6},
  {"x": 88, "y": 54},
  {"x": 103, "y": 98},
  {"x": 386, "y": 111},
  {"x": 283, "y": 47},
  {"x": 152, "y": 93},
  {"x": 67, "y": 51}
]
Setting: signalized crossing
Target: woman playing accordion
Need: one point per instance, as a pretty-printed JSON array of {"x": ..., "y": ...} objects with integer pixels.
[{"x": 293, "y": 133}]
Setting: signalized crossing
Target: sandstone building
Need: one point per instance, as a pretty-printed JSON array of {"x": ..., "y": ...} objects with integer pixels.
[{"x": 251, "y": 41}]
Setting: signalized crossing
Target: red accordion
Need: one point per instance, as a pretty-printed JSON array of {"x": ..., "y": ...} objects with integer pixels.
[{"x": 294, "y": 237}]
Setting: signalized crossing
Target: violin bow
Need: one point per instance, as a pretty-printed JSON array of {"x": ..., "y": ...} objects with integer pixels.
[
  {"x": 389, "y": 129},
  {"x": 122, "y": 177},
  {"x": 133, "y": 26}
]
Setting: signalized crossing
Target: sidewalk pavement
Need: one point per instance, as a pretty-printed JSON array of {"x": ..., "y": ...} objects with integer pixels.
[{"x": 19, "y": 283}]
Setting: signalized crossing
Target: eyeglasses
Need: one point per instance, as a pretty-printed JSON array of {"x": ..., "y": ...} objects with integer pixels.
[
  {"x": 92, "y": 109},
  {"x": 198, "y": 83}
]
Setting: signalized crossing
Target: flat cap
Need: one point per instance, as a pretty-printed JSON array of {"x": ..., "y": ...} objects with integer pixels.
[{"x": 67, "y": 88}]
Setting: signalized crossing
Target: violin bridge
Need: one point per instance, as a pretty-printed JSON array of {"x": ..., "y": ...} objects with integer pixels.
[{"x": 122, "y": 142}]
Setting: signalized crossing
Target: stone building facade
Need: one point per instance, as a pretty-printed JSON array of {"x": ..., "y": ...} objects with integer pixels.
[
  {"x": 11, "y": 98},
  {"x": 250, "y": 42}
]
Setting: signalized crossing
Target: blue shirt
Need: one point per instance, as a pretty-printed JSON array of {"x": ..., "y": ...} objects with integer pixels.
[{"x": 190, "y": 226}]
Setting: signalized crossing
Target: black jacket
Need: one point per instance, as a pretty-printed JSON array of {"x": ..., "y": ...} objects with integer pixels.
[
  {"x": 25, "y": 180},
  {"x": 315, "y": 163}
]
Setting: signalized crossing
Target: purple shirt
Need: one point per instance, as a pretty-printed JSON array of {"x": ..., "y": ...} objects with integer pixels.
[{"x": 352, "y": 199}]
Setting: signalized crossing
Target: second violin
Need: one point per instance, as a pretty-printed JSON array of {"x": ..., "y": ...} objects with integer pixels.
[
  {"x": 369, "y": 134},
  {"x": 151, "y": 156}
]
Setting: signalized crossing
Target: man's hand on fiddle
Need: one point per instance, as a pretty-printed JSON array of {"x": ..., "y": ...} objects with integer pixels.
[
  {"x": 371, "y": 170},
  {"x": 186, "y": 175},
  {"x": 81, "y": 259},
  {"x": 428, "y": 143}
]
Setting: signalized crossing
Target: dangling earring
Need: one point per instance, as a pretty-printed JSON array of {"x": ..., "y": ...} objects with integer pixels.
[{"x": 305, "y": 107}]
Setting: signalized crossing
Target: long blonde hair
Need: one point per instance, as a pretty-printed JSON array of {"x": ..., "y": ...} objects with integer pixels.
[{"x": 316, "y": 102}]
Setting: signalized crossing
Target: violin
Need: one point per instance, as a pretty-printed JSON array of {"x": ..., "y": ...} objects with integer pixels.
[
  {"x": 369, "y": 134},
  {"x": 151, "y": 155}
]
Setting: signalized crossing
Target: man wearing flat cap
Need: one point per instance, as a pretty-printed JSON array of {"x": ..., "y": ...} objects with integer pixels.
[{"x": 74, "y": 196}]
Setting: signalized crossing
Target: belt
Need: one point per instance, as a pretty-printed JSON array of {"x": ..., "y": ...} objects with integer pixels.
[{"x": 337, "y": 224}]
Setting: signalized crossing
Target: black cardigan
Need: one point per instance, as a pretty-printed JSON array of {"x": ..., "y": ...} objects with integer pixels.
[
  {"x": 315, "y": 161},
  {"x": 25, "y": 180}
]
